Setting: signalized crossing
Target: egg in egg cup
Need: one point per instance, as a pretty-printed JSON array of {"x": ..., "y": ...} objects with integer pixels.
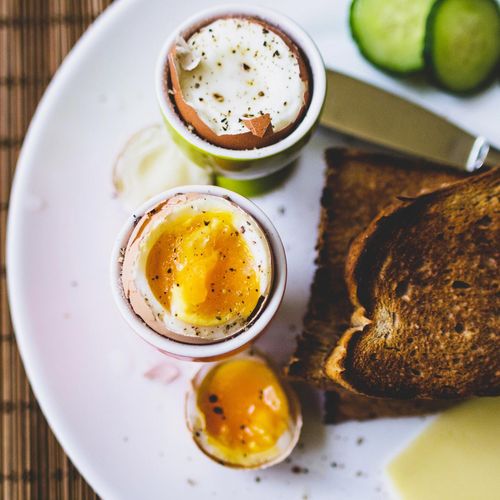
[
  {"x": 273, "y": 85},
  {"x": 198, "y": 272}
]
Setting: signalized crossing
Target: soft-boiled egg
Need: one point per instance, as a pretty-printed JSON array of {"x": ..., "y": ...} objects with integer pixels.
[
  {"x": 242, "y": 414},
  {"x": 239, "y": 82},
  {"x": 197, "y": 268}
]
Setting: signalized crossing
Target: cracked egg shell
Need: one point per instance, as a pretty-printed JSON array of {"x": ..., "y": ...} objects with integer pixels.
[
  {"x": 256, "y": 112},
  {"x": 242, "y": 413},
  {"x": 197, "y": 268}
]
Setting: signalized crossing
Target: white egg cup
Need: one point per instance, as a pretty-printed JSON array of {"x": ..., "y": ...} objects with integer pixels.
[
  {"x": 219, "y": 348},
  {"x": 245, "y": 163}
]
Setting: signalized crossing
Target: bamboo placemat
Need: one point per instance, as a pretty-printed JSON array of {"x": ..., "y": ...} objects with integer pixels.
[{"x": 35, "y": 35}]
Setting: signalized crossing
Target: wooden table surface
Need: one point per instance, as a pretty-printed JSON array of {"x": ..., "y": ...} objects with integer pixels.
[{"x": 35, "y": 35}]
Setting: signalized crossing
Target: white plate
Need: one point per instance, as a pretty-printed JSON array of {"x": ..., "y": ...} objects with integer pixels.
[{"x": 125, "y": 433}]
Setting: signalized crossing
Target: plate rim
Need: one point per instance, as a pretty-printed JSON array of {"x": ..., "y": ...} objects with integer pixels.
[
  {"x": 33, "y": 366},
  {"x": 18, "y": 311}
]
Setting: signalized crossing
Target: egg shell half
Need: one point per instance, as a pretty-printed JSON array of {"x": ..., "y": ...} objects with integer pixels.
[
  {"x": 195, "y": 421},
  {"x": 255, "y": 137}
]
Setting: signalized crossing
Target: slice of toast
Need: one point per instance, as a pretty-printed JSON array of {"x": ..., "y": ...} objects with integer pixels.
[
  {"x": 341, "y": 405},
  {"x": 357, "y": 186},
  {"x": 425, "y": 280}
]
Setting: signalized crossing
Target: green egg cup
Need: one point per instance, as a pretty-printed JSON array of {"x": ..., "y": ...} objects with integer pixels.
[{"x": 255, "y": 163}]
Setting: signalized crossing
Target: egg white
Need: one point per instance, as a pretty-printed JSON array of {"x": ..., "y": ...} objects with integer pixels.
[
  {"x": 235, "y": 69},
  {"x": 151, "y": 163}
]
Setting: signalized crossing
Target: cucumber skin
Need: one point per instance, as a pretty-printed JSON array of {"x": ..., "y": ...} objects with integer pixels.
[
  {"x": 368, "y": 58},
  {"x": 429, "y": 62}
]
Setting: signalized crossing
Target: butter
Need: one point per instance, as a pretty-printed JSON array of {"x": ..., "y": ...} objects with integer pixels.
[{"x": 456, "y": 458}]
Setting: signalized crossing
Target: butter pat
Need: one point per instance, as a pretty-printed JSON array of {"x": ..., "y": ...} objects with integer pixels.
[{"x": 457, "y": 457}]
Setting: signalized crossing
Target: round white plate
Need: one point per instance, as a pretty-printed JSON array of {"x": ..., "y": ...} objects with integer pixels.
[{"x": 124, "y": 432}]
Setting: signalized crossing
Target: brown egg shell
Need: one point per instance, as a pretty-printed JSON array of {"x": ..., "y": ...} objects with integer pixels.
[
  {"x": 138, "y": 302},
  {"x": 246, "y": 140},
  {"x": 293, "y": 404}
]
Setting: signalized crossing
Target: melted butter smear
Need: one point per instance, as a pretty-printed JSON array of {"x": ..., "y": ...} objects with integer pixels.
[
  {"x": 245, "y": 407},
  {"x": 201, "y": 265}
]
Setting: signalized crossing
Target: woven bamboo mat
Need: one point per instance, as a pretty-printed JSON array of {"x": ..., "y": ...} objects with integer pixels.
[{"x": 35, "y": 35}]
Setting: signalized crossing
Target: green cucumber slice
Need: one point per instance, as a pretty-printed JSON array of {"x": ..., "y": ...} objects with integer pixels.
[
  {"x": 462, "y": 43},
  {"x": 390, "y": 33}
]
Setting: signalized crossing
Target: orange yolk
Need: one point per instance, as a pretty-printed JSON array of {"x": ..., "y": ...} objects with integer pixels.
[
  {"x": 245, "y": 408},
  {"x": 203, "y": 266}
]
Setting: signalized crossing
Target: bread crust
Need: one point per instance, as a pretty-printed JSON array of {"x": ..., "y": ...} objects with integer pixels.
[
  {"x": 441, "y": 376},
  {"x": 358, "y": 184}
]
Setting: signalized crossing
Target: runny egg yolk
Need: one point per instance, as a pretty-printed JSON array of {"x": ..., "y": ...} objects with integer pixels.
[
  {"x": 245, "y": 407},
  {"x": 202, "y": 269}
]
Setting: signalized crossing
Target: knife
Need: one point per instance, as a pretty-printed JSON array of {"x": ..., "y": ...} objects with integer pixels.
[{"x": 367, "y": 112}]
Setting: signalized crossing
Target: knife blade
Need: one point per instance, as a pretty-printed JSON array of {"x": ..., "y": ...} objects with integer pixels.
[{"x": 367, "y": 112}]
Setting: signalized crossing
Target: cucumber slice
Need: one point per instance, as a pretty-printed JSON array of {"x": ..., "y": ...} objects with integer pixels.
[
  {"x": 390, "y": 33},
  {"x": 462, "y": 43}
]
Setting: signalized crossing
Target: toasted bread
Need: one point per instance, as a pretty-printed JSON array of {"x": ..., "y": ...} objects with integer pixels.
[
  {"x": 357, "y": 186},
  {"x": 341, "y": 405},
  {"x": 425, "y": 281}
]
